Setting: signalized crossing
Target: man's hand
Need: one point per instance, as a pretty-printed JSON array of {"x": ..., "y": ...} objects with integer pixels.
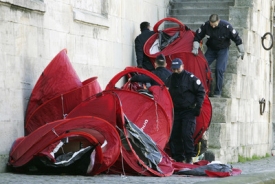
[
  {"x": 196, "y": 46},
  {"x": 197, "y": 111},
  {"x": 241, "y": 51}
]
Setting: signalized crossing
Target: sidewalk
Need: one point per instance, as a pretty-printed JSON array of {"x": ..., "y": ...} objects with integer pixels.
[{"x": 259, "y": 171}]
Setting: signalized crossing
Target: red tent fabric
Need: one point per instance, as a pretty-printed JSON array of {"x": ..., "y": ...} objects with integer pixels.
[
  {"x": 113, "y": 102},
  {"x": 203, "y": 121},
  {"x": 147, "y": 115},
  {"x": 140, "y": 108},
  {"x": 57, "y": 78},
  {"x": 130, "y": 163},
  {"x": 153, "y": 116},
  {"x": 96, "y": 131},
  {"x": 94, "y": 106},
  {"x": 181, "y": 48},
  {"x": 58, "y": 107}
]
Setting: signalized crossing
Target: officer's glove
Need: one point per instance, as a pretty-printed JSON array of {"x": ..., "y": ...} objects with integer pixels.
[
  {"x": 139, "y": 66},
  {"x": 241, "y": 51},
  {"x": 196, "y": 46},
  {"x": 197, "y": 111}
]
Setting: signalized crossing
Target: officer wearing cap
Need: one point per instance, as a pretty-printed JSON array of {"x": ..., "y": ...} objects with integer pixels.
[
  {"x": 218, "y": 33},
  {"x": 187, "y": 93},
  {"x": 161, "y": 71}
]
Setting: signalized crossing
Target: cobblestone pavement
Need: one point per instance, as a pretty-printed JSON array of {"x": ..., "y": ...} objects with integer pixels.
[{"x": 259, "y": 171}]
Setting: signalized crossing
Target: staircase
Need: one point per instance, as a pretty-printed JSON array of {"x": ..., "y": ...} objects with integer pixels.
[{"x": 193, "y": 13}]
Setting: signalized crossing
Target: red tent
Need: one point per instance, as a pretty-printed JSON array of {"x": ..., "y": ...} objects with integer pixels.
[
  {"x": 57, "y": 78},
  {"x": 119, "y": 104},
  {"x": 59, "y": 106},
  {"x": 181, "y": 48},
  {"x": 140, "y": 108},
  {"x": 57, "y": 91},
  {"x": 79, "y": 132}
]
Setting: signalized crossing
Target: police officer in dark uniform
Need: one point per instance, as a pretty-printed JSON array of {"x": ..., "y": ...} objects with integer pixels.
[
  {"x": 218, "y": 33},
  {"x": 142, "y": 60},
  {"x": 161, "y": 71},
  {"x": 187, "y": 93}
]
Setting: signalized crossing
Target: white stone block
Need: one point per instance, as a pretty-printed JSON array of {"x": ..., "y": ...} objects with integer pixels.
[
  {"x": 128, "y": 32},
  {"x": 128, "y": 58},
  {"x": 13, "y": 130}
]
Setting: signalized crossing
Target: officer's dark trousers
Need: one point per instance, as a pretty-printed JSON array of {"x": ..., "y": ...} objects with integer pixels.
[
  {"x": 221, "y": 57},
  {"x": 181, "y": 141}
]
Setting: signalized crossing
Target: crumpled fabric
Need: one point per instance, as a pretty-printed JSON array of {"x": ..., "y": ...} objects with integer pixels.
[{"x": 214, "y": 170}]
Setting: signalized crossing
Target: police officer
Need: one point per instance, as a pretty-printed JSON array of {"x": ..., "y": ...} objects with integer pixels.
[
  {"x": 187, "y": 93},
  {"x": 218, "y": 33},
  {"x": 142, "y": 60},
  {"x": 161, "y": 71}
]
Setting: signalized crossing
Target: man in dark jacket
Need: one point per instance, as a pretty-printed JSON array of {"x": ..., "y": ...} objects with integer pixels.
[
  {"x": 161, "y": 71},
  {"x": 187, "y": 93},
  {"x": 218, "y": 33},
  {"x": 142, "y": 60}
]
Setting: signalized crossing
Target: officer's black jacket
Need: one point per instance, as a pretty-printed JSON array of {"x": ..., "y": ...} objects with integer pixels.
[
  {"x": 218, "y": 37},
  {"x": 186, "y": 90},
  {"x": 140, "y": 40},
  {"x": 162, "y": 72}
]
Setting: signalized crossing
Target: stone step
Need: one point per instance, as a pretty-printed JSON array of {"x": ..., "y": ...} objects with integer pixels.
[
  {"x": 201, "y": 11},
  {"x": 196, "y": 19},
  {"x": 192, "y": 26},
  {"x": 229, "y": 90},
  {"x": 206, "y": 4},
  {"x": 193, "y": 13}
]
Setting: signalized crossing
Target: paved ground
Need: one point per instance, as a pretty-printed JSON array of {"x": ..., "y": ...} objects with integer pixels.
[{"x": 259, "y": 171}]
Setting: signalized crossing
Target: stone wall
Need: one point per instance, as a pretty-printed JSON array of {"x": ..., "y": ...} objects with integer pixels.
[
  {"x": 98, "y": 35},
  {"x": 237, "y": 128}
]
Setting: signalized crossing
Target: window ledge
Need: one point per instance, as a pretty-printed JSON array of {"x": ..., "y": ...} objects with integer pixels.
[
  {"x": 90, "y": 18},
  {"x": 34, "y": 5}
]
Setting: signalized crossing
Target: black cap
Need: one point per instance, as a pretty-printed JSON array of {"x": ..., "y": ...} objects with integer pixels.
[{"x": 176, "y": 63}]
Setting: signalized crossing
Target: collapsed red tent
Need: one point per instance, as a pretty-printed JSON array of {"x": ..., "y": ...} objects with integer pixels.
[
  {"x": 57, "y": 91},
  {"x": 160, "y": 106},
  {"x": 132, "y": 160},
  {"x": 57, "y": 78},
  {"x": 58, "y": 107},
  {"x": 41, "y": 148},
  {"x": 180, "y": 47}
]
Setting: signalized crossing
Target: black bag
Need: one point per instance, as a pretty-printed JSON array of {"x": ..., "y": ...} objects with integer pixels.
[
  {"x": 165, "y": 39},
  {"x": 200, "y": 171}
]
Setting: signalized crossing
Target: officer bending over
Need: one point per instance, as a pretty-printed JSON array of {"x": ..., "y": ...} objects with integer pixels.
[
  {"x": 161, "y": 71},
  {"x": 218, "y": 33}
]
